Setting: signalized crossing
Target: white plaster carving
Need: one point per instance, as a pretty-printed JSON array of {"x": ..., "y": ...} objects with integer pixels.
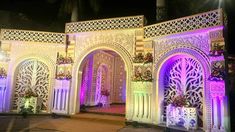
[
  {"x": 199, "y": 21},
  {"x": 105, "y": 24},
  {"x": 198, "y": 41},
  {"x": 122, "y": 39}
]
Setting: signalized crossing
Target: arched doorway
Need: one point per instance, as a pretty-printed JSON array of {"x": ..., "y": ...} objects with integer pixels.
[
  {"x": 35, "y": 75},
  {"x": 182, "y": 74},
  {"x": 103, "y": 83}
]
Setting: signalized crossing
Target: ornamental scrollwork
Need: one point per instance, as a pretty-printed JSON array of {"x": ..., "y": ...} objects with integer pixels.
[
  {"x": 124, "y": 40},
  {"x": 198, "y": 41}
]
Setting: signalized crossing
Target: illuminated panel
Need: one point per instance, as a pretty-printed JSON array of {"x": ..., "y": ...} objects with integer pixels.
[
  {"x": 105, "y": 24},
  {"x": 190, "y": 23},
  {"x": 32, "y": 36}
]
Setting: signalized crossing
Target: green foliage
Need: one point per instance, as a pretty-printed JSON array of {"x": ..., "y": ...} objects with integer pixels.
[{"x": 25, "y": 111}]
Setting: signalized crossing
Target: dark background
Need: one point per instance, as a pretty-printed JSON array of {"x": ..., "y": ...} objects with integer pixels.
[{"x": 51, "y": 15}]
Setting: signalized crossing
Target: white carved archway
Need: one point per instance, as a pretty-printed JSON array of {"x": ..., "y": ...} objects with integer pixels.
[
  {"x": 32, "y": 74},
  {"x": 14, "y": 64},
  {"x": 77, "y": 74},
  {"x": 196, "y": 55}
]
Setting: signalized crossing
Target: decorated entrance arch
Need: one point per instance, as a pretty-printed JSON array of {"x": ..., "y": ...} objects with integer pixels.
[
  {"x": 182, "y": 75},
  {"x": 127, "y": 63},
  {"x": 186, "y": 57}
]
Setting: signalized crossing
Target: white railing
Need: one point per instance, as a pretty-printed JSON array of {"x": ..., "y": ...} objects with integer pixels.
[
  {"x": 194, "y": 22},
  {"x": 61, "y": 96},
  {"x": 2, "y": 95},
  {"x": 32, "y": 36},
  {"x": 105, "y": 24}
]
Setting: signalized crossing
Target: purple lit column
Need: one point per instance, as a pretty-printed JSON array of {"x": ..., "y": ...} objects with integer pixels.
[
  {"x": 221, "y": 98},
  {"x": 215, "y": 112}
]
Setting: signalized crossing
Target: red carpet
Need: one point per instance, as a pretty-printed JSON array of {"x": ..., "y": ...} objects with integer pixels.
[{"x": 112, "y": 109}]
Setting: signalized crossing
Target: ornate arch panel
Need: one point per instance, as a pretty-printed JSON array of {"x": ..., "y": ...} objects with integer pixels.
[
  {"x": 196, "y": 59},
  {"x": 32, "y": 74},
  {"x": 184, "y": 75}
]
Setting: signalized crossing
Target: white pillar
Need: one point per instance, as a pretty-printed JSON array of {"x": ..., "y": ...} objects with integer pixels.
[
  {"x": 1, "y": 98},
  {"x": 55, "y": 99},
  {"x": 222, "y": 112},
  {"x": 136, "y": 106},
  {"x": 215, "y": 113},
  {"x": 63, "y": 98},
  {"x": 149, "y": 106},
  {"x": 141, "y": 105},
  {"x": 146, "y": 102}
]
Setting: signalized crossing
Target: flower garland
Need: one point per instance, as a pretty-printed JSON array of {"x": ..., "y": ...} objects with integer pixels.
[
  {"x": 140, "y": 58},
  {"x": 146, "y": 76},
  {"x": 180, "y": 101},
  {"x": 63, "y": 76},
  {"x": 64, "y": 60},
  {"x": 218, "y": 72}
]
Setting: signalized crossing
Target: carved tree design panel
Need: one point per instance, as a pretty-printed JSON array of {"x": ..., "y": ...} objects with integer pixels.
[
  {"x": 35, "y": 75},
  {"x": 185, "y": 76}
]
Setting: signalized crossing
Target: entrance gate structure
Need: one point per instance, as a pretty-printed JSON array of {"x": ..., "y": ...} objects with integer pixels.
[{"x": 150, "y": 53}]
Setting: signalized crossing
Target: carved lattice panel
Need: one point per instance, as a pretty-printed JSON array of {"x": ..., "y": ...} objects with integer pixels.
[
  {"x": 105, "y": 24},
  {"x": 203, "y": 20},
  {"x": 32, "y": 36},
  {"x": 185, "y": 75},
  {"x": 35, "y": 75},
  {"x": 98, "y": 85}
]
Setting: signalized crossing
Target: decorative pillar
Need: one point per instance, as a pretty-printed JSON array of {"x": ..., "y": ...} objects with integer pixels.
[
  {"x": 141, "y": 102},
  {"x": 221, "y": 98},
  {"x": 149, "y": 106},
  {"x": 136, "y": 106},
  {"x": 215, "y": 113},
  {"x": 146, "y": 102},
  {"x": 56, "y": 99},
  {"x": 161, "y": 10}
]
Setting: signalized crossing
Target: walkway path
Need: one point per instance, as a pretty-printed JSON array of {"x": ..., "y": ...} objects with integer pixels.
[{"x": 78, "y": 123}]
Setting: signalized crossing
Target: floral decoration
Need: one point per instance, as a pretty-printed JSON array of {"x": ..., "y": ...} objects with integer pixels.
[
  {"x": 217, "y": 50},
  {"x": 180, "y": 101},
  {"x": 139, "y": 58},
  {"x": 218, "y": 71},
  {"x": 64, "y": 76},
  {"x": 64, "y": 60},
  {"x": 105, "y": 92},
  {"x": 3, "y": 73},
  {"x": 148, "y": 58},
  {"x": 145, "y": 76}
]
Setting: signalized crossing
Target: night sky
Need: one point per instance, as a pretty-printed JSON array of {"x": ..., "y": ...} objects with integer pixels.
[{"x": 49, "y": 15}]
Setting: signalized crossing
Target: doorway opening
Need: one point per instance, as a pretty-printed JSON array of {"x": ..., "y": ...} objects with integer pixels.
[{"x": 103, "y": 83}]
